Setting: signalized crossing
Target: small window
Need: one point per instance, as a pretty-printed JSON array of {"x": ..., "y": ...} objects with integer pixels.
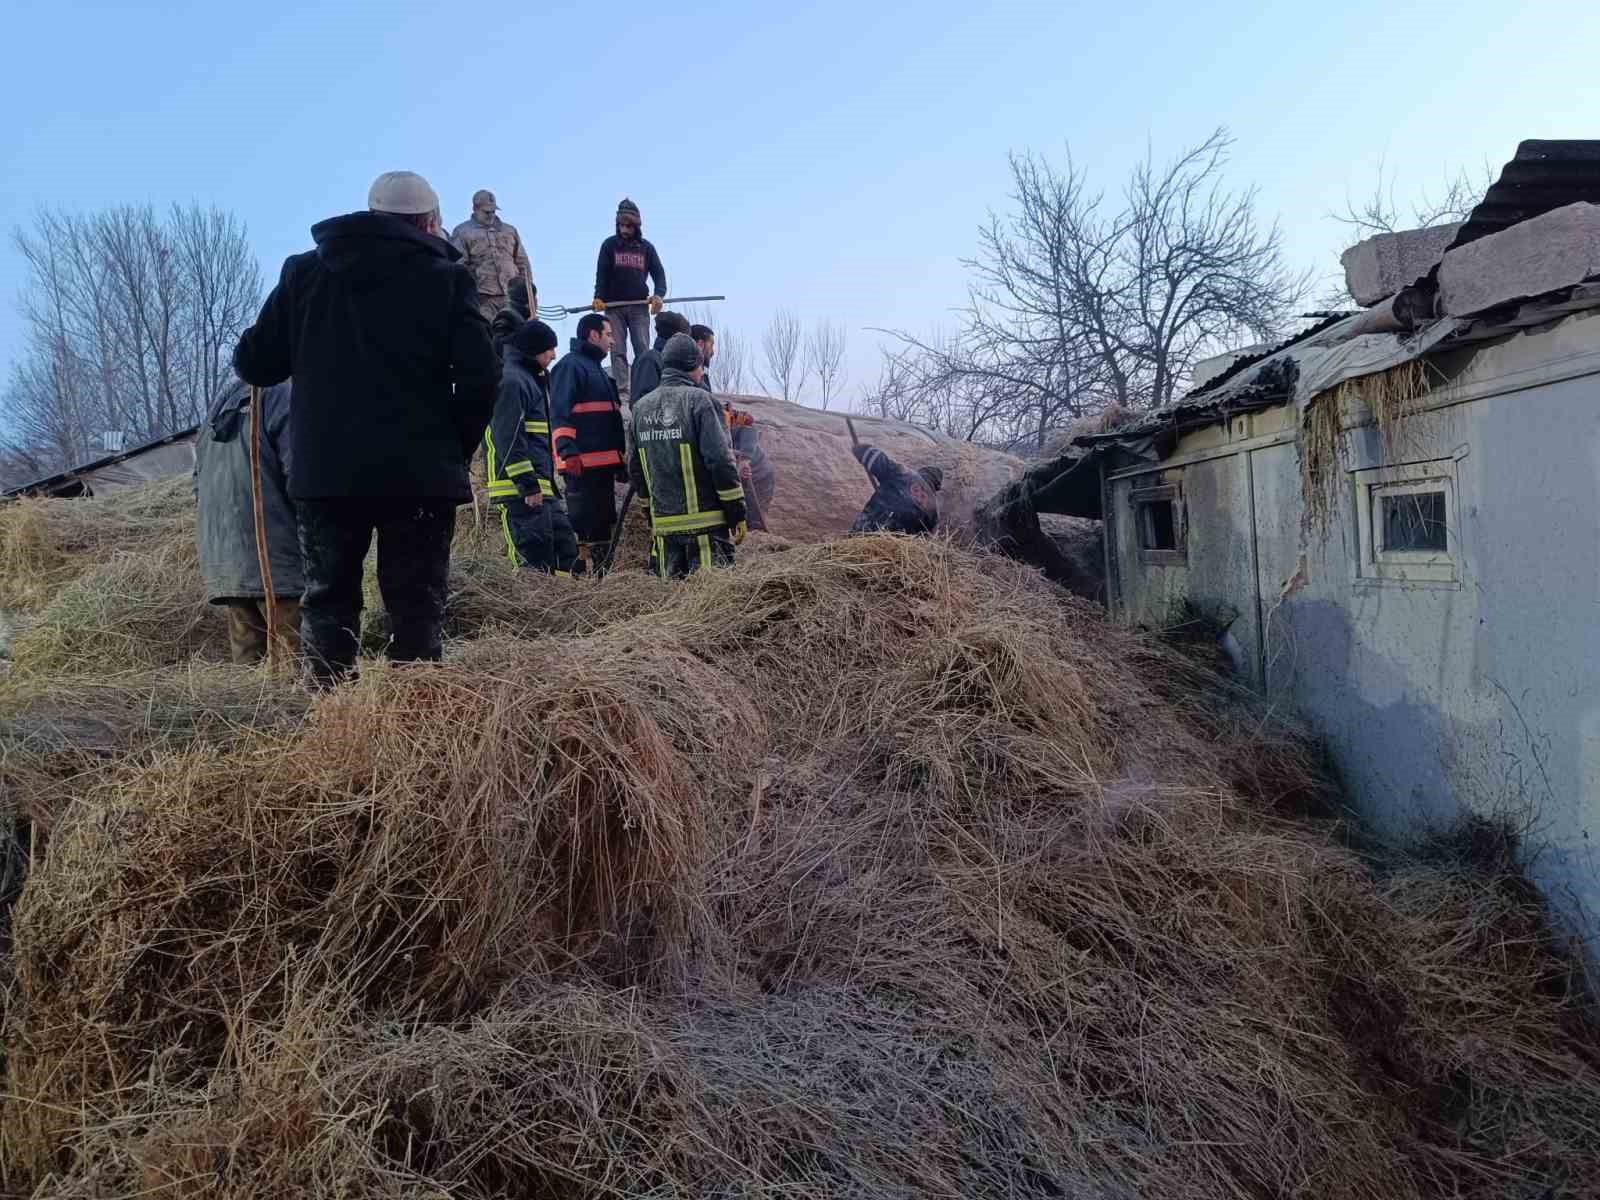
[
  {"x": 1406, "y": 522},
  {"x": 1159, "y": 524},
  {"x": 1413, "y": 521},
  {"x": 1158, "y": 527}
]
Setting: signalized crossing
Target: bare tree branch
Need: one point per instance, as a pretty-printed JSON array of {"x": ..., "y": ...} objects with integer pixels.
[
  {"x": 825, "y": 351},
  {"x": 784, "y": 374}
]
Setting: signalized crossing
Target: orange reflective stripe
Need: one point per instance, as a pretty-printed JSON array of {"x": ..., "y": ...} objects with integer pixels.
[
  {"x": 566, "y": 431},
  {"x": 594, "y": 406},
  {"x": 600, "y": 458}
]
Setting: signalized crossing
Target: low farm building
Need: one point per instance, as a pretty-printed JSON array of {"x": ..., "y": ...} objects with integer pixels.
[{"x": 1396, "y": 517}]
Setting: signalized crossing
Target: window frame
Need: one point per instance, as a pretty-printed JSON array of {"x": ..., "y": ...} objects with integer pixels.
[
  {"x": 1377, "y": 566},
  {"x": 1142, "y": 498}
]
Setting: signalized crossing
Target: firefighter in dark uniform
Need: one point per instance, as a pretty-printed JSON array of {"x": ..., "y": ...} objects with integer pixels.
[
  {"x": 521, "y": 467},
  {"x": 683, "y": 465},
  {"x": 589, "y": 443},
  {"x": 902, "y": 501}
]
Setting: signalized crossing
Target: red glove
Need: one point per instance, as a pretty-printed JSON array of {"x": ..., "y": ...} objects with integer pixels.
[{"x": 572, "y": 467}]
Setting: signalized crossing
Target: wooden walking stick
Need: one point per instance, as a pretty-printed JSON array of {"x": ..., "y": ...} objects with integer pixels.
[{"x": 263, "y": 556}]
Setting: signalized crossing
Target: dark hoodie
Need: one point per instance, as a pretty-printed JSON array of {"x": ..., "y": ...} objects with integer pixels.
[
  {"x": 376, "y": 325},
  {"x": 623, "y": 265}
]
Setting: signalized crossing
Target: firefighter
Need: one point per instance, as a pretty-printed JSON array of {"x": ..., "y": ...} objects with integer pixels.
[
  {"x": 902, "y": 501},
  {"x": 521, "y": 468},
  {"x": 683, "y": 465},
  {"x": 589, "y": 440}
]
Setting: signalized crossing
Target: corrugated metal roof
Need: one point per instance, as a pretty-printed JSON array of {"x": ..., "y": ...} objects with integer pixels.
[
  {"x": 50, "y": 482},
  {"x": 1544, "y": 175}
]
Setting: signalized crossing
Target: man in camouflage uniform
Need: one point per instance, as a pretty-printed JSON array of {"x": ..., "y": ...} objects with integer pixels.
[{"x": 492, "y": 251}]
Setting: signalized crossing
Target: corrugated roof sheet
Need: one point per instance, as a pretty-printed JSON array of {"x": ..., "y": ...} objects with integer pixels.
[{"x": 1544, "y": 175}]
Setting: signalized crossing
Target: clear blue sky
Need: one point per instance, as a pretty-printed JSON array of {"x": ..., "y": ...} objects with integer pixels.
[{"x": 833, "y": 157}]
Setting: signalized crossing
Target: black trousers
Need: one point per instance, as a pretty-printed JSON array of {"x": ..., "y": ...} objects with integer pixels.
[
  {"x": 592, "y": 505},
  {"x": 679, "y": 555},
  {"x": 539, "y": 538},
  {"x": 413, "y": 575}
]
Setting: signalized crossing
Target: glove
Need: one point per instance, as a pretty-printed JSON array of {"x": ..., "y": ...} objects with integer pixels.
[
  {"x": 572, "y": 467},
  {"x": 734, "y": 514},
  {"x": 738, "y": 532},
  {"x": 599, "y": 305},
  {"x": 745, "y": 473},
  {"x": 655, "y": 305}
]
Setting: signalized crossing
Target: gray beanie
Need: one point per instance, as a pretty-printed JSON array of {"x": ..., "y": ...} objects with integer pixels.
[{"x": 680, "y": 353}]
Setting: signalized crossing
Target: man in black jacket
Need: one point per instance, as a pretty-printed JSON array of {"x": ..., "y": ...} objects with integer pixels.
[
  {"x": 394, "y": 381},
  {"x": 586, "y": 427},
  {"x": 902, "y": 501},
  {"x": 626, "y": 259},
  {"x": 647, "y": 367}
]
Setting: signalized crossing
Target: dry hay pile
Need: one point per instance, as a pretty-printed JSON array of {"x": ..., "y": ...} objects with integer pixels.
[{"x": 872, "y": 868}]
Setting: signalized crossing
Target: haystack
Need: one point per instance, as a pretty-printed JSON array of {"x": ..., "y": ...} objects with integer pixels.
[
  {"x": 821, "y": 487},
  {"x": 868, "y": 868}
]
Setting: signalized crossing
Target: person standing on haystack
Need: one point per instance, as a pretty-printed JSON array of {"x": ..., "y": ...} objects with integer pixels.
[
  {"x": 646, "y": 376},
  {"x": 394, "y": 382},
  {"x": 586, "y": 420},
  {"x": 521, "y": 468},
  {"x": 626, "y": 260},
  {"x": 225, "y": 531},
  {"x": 493, "y": 252},
  {"x": 902, "y": 501},
  {"x": 683, "y": 466}
]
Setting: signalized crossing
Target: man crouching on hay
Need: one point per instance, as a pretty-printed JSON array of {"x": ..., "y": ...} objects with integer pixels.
[
  {"x": 683, "y": 465},
  {"x": 394, "y": 382},
  {"x": 225, "y": 532}
]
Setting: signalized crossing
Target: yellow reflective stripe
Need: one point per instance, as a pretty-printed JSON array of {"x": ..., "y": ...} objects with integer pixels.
[
  {"x": 502, "y": 487},
  {"x": 687, "y": 523},
  {"x": 644, "y": 467},
  {"x": 735, "y": 493},
  {"x": 546, "y": 488},
  {"x": 560, "y": 574},
  {"x": 537, "y": 427},
  {"x": 519, "y": 468},
  {"x": 705, "y": 550},
  {"x": 488, "y": 450},
  {"x": 691, "y": 492},
  {"x": 511, "y": 545},
  {"x": 661, "y": 557}
]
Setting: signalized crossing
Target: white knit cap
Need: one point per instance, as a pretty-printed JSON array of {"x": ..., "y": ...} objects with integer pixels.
[{"x": 401, "y": 192}]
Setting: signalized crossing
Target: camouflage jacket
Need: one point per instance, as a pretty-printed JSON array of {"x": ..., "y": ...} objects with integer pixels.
[{"x": 494, "y": 254}]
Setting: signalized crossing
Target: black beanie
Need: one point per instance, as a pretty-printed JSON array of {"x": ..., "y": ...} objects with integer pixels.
[
  {"x": 535, "y": 337},
  {"x": 934, "y": 476},
  {"x": 680, "y": 353}
]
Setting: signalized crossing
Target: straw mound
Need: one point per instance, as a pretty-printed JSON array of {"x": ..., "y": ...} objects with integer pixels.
[
  {"x": 873, "y": 868},
  {"x": 47, "y": 543}
]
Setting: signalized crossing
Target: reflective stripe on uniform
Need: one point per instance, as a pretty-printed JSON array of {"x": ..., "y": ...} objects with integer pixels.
[
  {"x": 568, "y": 431},
  {"x": 661, "y": 557},
  {"x": 518, "y": 468},
  {"x": 691, "y": 491},
  {"x": 705, "y": 550},
  {"x": 536, "y": 426},
  {"x": 511, "y": 542},
  {"x": 594, "y": 406},
  {"x": 598, "y": 458},
  {"x": 501, "y": 487},
  {"x": 546, "y": 488},
  {"x": 734, "y": 493},
  {"x": 687, "y": 523}
]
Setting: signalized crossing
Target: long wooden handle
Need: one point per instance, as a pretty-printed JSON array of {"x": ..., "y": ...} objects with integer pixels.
[{"x": 263, "y": 554}]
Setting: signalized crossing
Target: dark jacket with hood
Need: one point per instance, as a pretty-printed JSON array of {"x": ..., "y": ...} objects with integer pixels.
[
  {"x": 902, "y": 501},
  {"x": 681, "y": 460},
  {"x": 646, "y": 374},
  {"x": 376, "y": 325},
  {"x": 509, "y": 319},
  {"x": 517, "y": 444},
  {"x": 225, "y": 527},
  {"x": 624, "y": 264},
  {"x": 585, "y": 417}
]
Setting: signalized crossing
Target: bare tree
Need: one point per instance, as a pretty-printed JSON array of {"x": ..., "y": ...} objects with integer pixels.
[
  {"x": 130, "y": 320},
  {"x": 784, "y": 375},
  {"x": 825, "y": 350},
  {"x": 1381, "y": 212},
  {"x": 733, "y": 362},
  {"x": 1076, "y": 303}
]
